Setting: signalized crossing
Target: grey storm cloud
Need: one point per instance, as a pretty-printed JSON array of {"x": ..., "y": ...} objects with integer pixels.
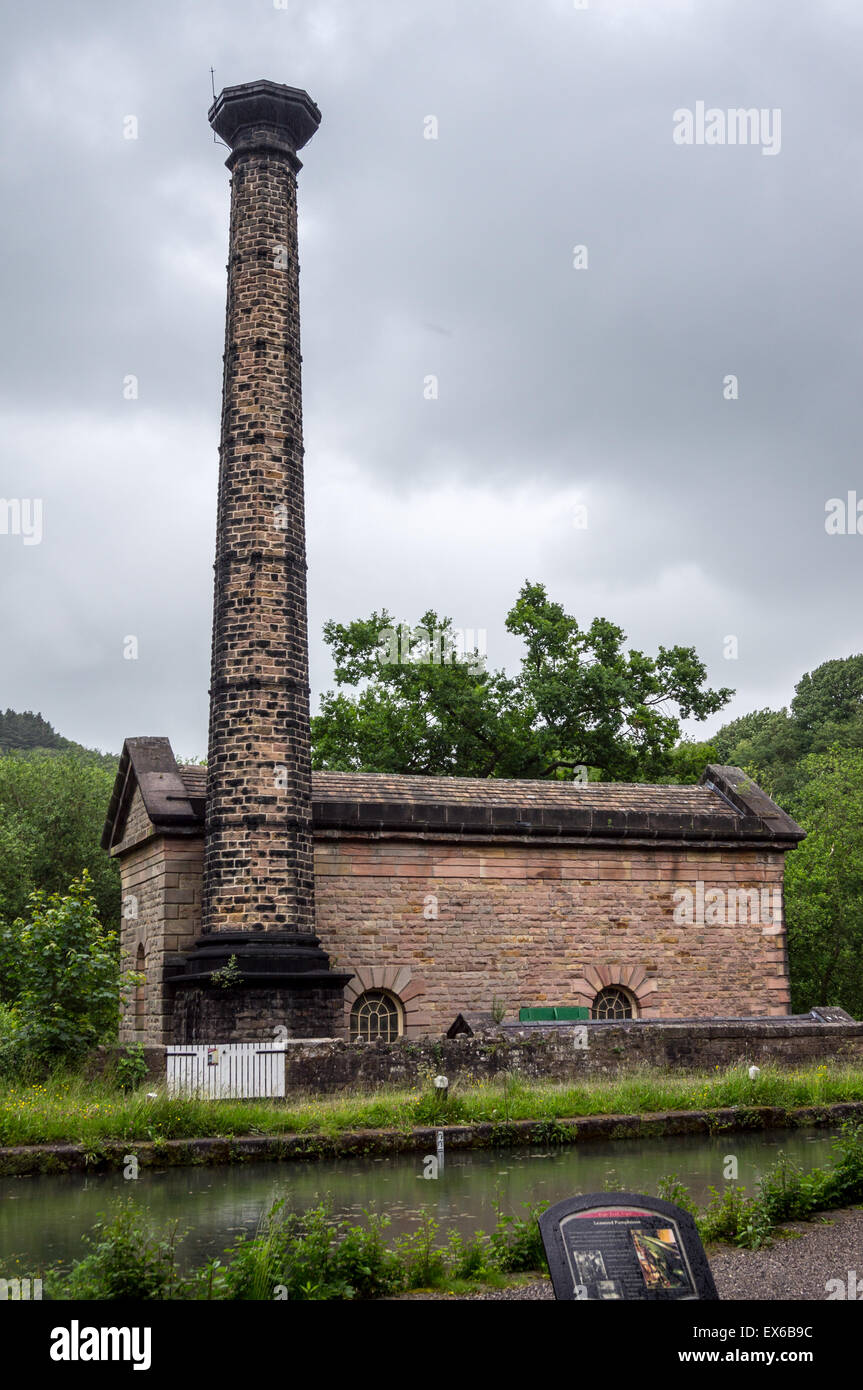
[{"x": 451, "y": 258}]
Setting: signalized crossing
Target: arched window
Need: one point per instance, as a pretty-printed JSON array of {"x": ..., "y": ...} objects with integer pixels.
[
  {"x": 376, "y": 1017},
  {"x": 140, "y": 994},
  {"x": 612, "y": 1002}
]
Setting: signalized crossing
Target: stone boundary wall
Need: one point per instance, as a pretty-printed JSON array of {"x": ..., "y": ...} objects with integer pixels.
[
  {"x": 552, "y": 1055},
  {"x": 328, "y": 1066}
]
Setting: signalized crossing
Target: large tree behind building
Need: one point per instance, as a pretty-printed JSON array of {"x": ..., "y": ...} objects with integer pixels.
[
  {"x": 407, "y": 702},
  {"x": 810, "y": 758},
  {"x": 772, "y": 745},
  {"x": 830, "y": 697},
  {"x": 824, "y": 884}
]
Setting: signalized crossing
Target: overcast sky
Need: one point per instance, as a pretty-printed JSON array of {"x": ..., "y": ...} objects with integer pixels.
[{"x": 454, "y": 257}]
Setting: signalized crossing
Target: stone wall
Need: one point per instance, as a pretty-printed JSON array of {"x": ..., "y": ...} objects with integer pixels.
[
  {"x": 551, "y": 1055},
  {"x": 161, "y": 912},
  {"x": 450, "y": 927},
  {"x": 447, "y": 927},
  {"x": 210, "y": 1013},
  {"x": 103, "y": 1061},
  {"x": 539, "y": 1054}
]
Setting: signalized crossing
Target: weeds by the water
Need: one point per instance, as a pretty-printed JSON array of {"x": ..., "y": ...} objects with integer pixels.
[
  {"x": 71, "y": 1108},
  {"x": 312, "y": 1255},
  {"x": 126, "y": 1260},
  {"x": 785, "y": 1193}
]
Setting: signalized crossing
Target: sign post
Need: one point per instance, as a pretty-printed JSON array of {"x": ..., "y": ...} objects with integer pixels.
[{"x": 621, "y": 1245}]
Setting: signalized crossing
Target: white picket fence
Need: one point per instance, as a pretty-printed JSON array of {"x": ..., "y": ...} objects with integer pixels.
[{"x": 235, "y": 1070}]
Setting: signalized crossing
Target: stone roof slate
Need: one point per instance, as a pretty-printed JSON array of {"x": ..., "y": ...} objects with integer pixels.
[
  {"x": 472, "y": 791},
  {"x": 492, "y": 791}
]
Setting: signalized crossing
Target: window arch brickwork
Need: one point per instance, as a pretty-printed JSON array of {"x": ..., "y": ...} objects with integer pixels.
[
  {"x": 394, "y": 979},
  {"x": 632, "y": 978}
]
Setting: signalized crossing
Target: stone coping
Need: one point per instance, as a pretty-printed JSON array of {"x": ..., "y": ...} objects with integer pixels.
[{"x": 783, "y": 1026}]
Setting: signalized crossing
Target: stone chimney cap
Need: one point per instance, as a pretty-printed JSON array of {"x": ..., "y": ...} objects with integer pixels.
[{"x": 264, "y": 112}]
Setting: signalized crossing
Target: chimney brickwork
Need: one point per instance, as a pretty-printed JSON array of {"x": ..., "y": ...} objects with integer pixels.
[
  {"x": 258, "y": 889},
  {"x": 259, "y": 870}
]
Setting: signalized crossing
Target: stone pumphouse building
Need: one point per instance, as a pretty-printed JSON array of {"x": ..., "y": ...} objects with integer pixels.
[{"x": 258, "y": 894}]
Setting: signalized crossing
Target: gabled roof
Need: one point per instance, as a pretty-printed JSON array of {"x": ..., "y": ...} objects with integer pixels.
[
  {"x": 726, "y": 806},
  {"x": 149, "y": 764}
]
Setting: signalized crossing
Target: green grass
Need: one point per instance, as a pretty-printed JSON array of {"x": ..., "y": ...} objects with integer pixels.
[{"x": 68, "y": 1108}]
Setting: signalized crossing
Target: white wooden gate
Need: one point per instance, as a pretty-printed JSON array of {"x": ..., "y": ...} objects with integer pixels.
[{"x": 236, "y": 1070}]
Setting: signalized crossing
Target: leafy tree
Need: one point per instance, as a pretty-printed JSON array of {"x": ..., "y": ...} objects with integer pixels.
[
  {"x": 832, "y": 694},
  {"x": 743, "y": 730},
  {"x": 61, "y": 971},
  {"x": 826, "y": 712},
  {"x": 688, "y": 761},
  {"x": 418, "y": 706},
  {"x": 769, "y": 745},
  {"x": 824, "y": 884},
  {"x": 52, "y": 809}
]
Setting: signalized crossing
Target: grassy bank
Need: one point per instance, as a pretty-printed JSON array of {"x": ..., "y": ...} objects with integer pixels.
[
  {"x": 316, "y": 1256},
  {"x": 71, "y": 1109}
]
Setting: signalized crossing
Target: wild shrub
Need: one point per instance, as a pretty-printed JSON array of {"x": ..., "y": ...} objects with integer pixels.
[
  {"x": 311, "y": 1255},
  {"x": 471, "y": 1258},
  {"x": 786, "y": 1193},
  {"x": 10, "y": 1049},
  {"x": 671, "y": 1189},
  {"x": 423, "y": 1263},
  {"x": 61, "y": 968},
  {"x": 725, "y": 1214},
  {"x": 842, "y": 1183},
  {"x": 127, "y": 1259},
  {"x": 131, "y": 1068},
  {"x": 362, "y": 1262},
  {"x": 516, "y": 1242}
]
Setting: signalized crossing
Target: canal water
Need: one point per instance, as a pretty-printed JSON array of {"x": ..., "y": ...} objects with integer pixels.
[{"x": 42, "y": 1219}]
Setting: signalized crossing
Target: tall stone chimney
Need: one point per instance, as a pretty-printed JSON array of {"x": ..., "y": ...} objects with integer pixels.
[{"x": 259, "y": 892}]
